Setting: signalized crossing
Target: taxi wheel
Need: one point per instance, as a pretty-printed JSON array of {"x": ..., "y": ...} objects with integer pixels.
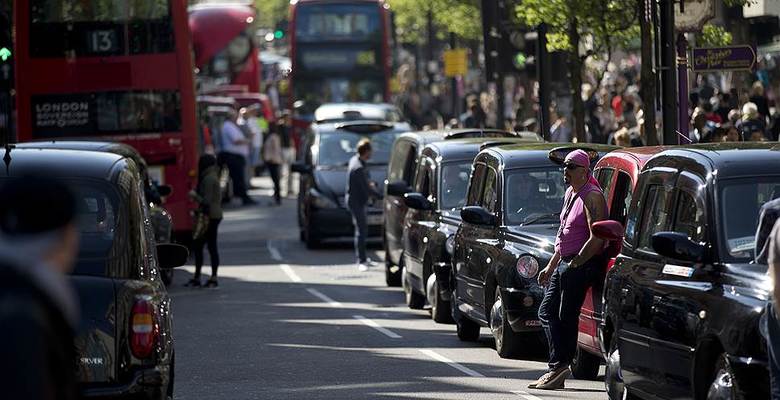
[
  {"x": 311, "y": 240},
  {"x": 468, "y": 330},
  {"x": 723, "y": 385},
  {"x": 414, "y": 300},
  {"x": 509, "y": 344},
  {"x": 392, "y": 273},
  {"x": 441, "y": 311},
  {"x": 585, "y": 365},
  {"x": 613, "y": 377}
]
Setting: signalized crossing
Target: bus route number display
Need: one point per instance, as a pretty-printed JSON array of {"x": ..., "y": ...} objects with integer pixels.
[{"x": 102, "y": 41}]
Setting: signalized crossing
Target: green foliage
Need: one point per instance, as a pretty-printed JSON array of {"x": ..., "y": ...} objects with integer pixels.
[
  {"x": 271, "y": 12},
  {"x": 714, "y": 36},
  {"x": 607, "y": 24},
  {"x": 461, "y": 17}
]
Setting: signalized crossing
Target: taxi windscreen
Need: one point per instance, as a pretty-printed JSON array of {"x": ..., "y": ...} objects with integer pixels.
[
  {"x": 533, "y": 196},
  {"x": 740, "y": 204}
]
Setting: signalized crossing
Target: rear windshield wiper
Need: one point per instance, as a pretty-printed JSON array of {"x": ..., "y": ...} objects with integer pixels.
[{"x": 534, "y": 219}]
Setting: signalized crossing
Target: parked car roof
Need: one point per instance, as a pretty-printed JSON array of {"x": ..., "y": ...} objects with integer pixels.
[
  {"x": 335, "y": 112},
  {"x": 724, "y": 160},
  {"x": 466, "y": 149},
  {"x": 62, "y": 163},
  {"x": 122, "y": 149},
  {"x": 525, "y": 155}
]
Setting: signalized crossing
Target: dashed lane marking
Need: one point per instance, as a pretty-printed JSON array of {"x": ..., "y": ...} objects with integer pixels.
[
  {"x": 290, "y": 273},
  {"x": 438, "y": 357},
  {"x": 525, "y": 395},
  {"x": 371, "y": 323},
  {"x": 319, "y": 295},
  {"x": 275, "y": 254}
]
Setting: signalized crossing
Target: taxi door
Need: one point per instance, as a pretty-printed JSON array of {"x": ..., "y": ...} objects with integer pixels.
[{"x": 419, "y": 224}]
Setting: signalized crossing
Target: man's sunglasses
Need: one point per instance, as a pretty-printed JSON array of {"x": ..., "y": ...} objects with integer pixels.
[{"x": 572, "y": 167}]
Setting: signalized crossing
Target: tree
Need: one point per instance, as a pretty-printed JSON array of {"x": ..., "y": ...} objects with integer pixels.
[
  {"x": 271, "y": 12},
  {"x": 583, "y": 29},
  {"x": 460, "y": 17}
]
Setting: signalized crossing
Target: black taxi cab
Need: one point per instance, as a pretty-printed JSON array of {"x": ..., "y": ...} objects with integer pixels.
[
  {"x": 683, "y": 300},
  {"x": 124, "y": 341},
  {"x": 509, "y": 224},
  {"x": 433, "y": 216},
  {"x": 400, "y": 180}
]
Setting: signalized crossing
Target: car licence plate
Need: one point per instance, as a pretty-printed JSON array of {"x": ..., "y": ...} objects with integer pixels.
[{"x": 375, "y": 219}]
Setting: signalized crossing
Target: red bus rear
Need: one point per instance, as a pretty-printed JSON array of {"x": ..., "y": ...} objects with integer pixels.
[
  {"x": 112, "y": 71},
  {"x": 340, "y": 52},
  {"x": 225, "y": 52}
]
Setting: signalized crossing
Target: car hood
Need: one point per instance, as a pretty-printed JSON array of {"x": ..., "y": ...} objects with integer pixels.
[
  {"x": 332, "y": 182},
  {"x": 538, "y": 235}
]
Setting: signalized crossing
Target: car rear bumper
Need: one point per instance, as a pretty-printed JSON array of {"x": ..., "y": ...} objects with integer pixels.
[
  {"x": 337, "y": 222},
  {"x": 443, "y": 274},
  {"x": 143, "y": 381},
  {"x": 522, "y": 308}
]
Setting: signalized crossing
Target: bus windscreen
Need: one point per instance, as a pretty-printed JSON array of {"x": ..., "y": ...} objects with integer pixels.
[
  {"x": 100, "y": 28},
  {"x": 326, "y": 22}
]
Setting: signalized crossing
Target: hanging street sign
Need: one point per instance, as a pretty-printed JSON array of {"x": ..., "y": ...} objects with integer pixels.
[
  {"x": 730, "y": 58},
  {"x": 455, "y": 63},
  {"x": 691, "y": 15}
]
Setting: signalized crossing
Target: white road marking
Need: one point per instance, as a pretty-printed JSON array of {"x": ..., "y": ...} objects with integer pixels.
[
  {"x": 525, "y": 395},
  {"x": 368, "y": 322},
  {"x": 290, "y": 273},
  {"x": 438, "y": 357},
  {"x": 275, "y": 254},
  {"x": 318, "y": 294}
]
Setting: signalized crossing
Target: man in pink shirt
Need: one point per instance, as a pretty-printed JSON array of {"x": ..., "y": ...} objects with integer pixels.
[{"x": 578, "y": 262}]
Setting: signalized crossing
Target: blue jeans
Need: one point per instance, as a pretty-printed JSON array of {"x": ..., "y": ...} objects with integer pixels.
[
  {"x": 360, "y": 220},
  {"x": 770, "y": 330},
  {"x": 560, "y": 308}
]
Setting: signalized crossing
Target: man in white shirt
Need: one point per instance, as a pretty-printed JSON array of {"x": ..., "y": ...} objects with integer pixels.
[{"x": 235, "y": 151}]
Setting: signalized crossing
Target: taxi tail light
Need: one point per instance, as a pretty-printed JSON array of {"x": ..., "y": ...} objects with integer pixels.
[
  {"x": 527, "y": 266},
  {"x": 144, "y": 330}
]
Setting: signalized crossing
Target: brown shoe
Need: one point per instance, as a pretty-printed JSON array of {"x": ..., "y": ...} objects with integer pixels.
[{"x": 554, "y": 379}]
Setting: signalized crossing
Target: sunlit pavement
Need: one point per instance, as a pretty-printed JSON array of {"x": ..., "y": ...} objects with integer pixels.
[{"x": 290, "y": 323}]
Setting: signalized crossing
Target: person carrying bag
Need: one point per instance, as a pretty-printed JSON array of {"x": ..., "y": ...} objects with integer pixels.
[{"x": 208, "y": 194}]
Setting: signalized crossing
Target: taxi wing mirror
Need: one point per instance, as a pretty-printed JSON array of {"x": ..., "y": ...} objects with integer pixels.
[
  {"x": 417, "y": 201},
  {"x": 677, "y": 246},
  {"x": 164, "y": 190},
  {"x": 397, "y": 188},
  {"x": 171, "y": 255},
  {"x": 478, "y": 216}
]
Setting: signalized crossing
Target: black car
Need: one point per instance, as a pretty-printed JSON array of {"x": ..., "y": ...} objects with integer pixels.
[
  {"x": 322, "y": 211},
  {"x": 400, "y": 179},
  {"x": 124, "y": 341},
  {"x": 440, "y": 183},
  {"x": 508, "y": 231},
  {"x": 153, "y": 192},
  {"x": 683, "y": 300}
]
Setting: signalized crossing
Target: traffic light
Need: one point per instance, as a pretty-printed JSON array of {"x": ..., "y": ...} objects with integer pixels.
[{"x": 281, "y": 30}]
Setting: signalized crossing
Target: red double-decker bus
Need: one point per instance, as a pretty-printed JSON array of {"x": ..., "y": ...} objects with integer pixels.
[
  {"x": 340, "y": 51},
  {"x": 225, "y": 53},
  {"x": 112, "y": 70}
]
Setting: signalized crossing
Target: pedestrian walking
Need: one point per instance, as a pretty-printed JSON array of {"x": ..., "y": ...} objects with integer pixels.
[
  {"x": 235, "y": 151},
  {"x": 577, "y": 263},
  {"x": 258, "y": 125},
  {"x": 274, "y": 158},
  {"x": 360, "y": 189},
  {"x": 208, "y": 195},
  {"x": 288, "y": 151},
  {"x": 39, "y": 311}
]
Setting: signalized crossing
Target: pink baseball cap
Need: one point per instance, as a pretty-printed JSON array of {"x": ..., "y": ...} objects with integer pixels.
[{"x": 578, "y": 157}]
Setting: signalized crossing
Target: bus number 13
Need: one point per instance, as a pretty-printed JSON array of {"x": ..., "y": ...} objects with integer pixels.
[{"x": 102, "y": 41}]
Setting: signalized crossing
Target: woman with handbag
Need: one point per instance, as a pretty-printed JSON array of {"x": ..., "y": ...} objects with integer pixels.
[{"x": 208, "y": 195}]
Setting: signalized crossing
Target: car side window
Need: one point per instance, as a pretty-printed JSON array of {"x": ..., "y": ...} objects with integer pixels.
[
  {"x": 490, "y": 194},
  {"x": 398, "y": 161},
  {"x": 604, "y": 177},
  {"x": 656, "y": 216},
  {"x": 411, "y": 165},
  {"x": 689, "y": 217},
  {"x": 621, "y": 200},
  {"x": 423, "y": 180},
  {"x": 475, "y": 184}
]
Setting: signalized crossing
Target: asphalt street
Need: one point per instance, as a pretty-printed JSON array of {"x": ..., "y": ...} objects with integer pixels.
[{"x": 290, "y": 323}]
